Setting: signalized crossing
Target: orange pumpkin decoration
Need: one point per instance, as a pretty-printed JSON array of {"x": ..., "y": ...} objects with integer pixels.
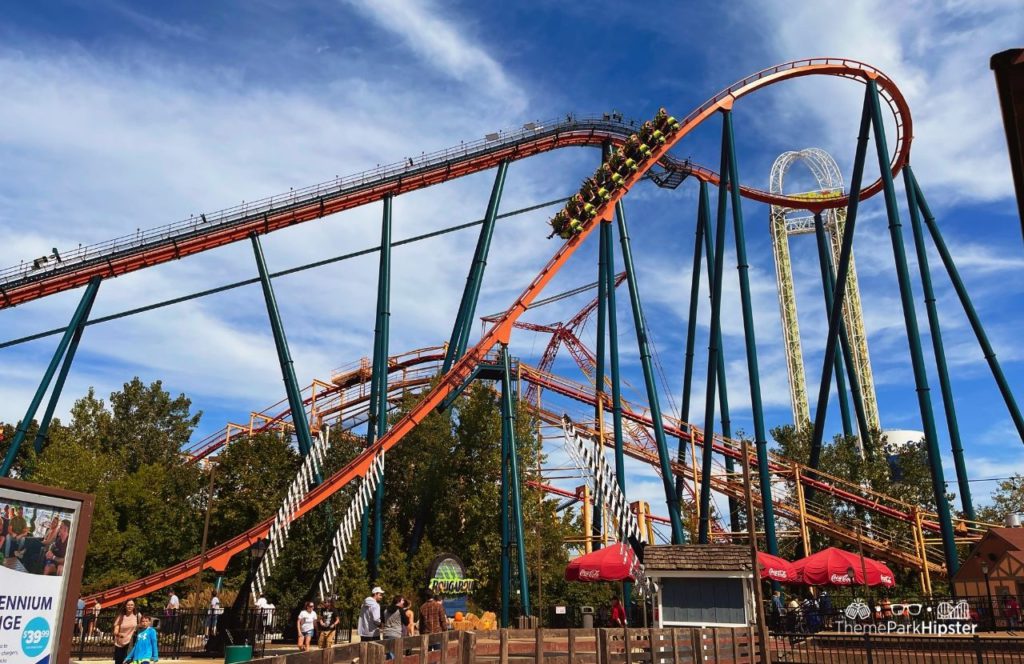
[{"x": 458, "y": 616}]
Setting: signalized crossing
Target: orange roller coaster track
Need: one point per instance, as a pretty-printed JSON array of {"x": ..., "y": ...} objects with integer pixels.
[
  {"x": 30, "y": 281},
  {"x": 177, "y": 245}
]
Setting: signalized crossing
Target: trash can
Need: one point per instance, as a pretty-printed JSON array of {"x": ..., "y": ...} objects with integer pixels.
[
  {"x": 233, "y": 654},
  {"x": 588, "y": 616}
]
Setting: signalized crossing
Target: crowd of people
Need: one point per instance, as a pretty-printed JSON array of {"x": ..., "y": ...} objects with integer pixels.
[
  {"x": 612, "y": 174},
  {"x": 36, "y": 543}
]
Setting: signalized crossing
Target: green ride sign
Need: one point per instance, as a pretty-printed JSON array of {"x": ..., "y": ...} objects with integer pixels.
[{"x": 448, "y": 577}]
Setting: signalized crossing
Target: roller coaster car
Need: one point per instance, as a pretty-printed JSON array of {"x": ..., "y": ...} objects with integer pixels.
[{"x": 665, "y": 122}]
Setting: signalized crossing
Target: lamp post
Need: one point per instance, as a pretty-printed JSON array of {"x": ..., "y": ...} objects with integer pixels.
[
  {"x": 256, "y": 553},
  {"x": 988, "y": 596}
]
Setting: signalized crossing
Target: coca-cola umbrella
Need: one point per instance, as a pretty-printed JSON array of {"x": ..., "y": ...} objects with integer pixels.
[
  {"x": 774, "y": 568},
  {"x": 614, "y": 562},
  {"x": 835, "y": 567}
]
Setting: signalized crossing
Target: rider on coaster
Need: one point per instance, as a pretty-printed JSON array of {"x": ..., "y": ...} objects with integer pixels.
[{"x": 664, "y": 121}]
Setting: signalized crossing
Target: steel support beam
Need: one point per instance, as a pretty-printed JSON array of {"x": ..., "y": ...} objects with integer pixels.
[
  {"x": 284, "y": 356},
  {"x": 913, "y": 336},
  {"x": 509, "y": 433},
  {"x": 378, "y": 423},
  {"x": 839, "y": 292},
  {"x": 467, "y": 307},
  {"x": 972, "y": 314},
  {"x": 62, "y": 376},
  {"x": 935, "y": 329},
  {"x": 827, "y": 285},
  {"x": 640, "y": 325},
  {"x": 714, "y": 337},
  {"x": 691, "y": 333},
  {"x": 760, "y": 437},
  {"x": 853, "y": 370},
  {"x": 73, "y": 332},
  {"x": 723, "y": 386},
  {"x": 607, "y": 249}
]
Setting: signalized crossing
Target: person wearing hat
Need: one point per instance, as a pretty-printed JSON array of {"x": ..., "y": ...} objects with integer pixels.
[{"x": 369, "y": 616}]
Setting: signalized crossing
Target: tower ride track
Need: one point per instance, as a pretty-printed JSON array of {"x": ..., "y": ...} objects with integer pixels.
[{"x": 75, "y": 268}]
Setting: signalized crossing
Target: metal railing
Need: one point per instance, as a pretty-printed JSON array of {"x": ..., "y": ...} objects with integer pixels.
[{"x": 895, "y": 648}]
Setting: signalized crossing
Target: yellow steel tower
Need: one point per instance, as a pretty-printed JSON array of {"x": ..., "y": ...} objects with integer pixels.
[{"x": 788, "y": 221}]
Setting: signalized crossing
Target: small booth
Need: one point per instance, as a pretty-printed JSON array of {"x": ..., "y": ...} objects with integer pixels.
[
  {"x": 995, "y": 566},
  {"x": 702, "y": 585}
]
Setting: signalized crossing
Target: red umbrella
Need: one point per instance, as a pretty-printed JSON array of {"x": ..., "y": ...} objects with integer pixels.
[
  {"x": 614, "y": 562},
  {"x": 774, "y": 568},
  {"x": 832, "y": 567}
]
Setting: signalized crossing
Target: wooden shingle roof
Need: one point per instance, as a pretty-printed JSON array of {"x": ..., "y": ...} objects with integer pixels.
[{"x": 696, "y": 558}]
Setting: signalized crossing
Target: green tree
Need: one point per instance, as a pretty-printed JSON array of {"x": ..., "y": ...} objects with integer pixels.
[
  {"x": 147, "y": 510},
  {"x": 1006, "y": 500}
]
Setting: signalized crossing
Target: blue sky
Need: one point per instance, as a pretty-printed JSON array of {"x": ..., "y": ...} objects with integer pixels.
[{"x": 121, "y": 115}]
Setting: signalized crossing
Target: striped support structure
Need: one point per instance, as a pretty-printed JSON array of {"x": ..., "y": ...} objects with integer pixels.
[
  {"x": 304, "y": 479},
  {"x": 607, "y": 490},
  {"x": 350, "y": 523}
]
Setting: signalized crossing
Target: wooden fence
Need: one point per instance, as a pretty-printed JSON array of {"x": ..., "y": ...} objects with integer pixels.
[{"x": 546, "y": 646}]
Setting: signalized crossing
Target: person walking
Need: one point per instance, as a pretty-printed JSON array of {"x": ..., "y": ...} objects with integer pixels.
[
  {"x": 306, "y": 624},
  {"x": 125, "y": 625},
  {"x": 328, "y": 625},
  {"x": 211, "y": 618},
  {"x": 618, "y": 614},
  {"x": 369, "y": 616},
  {"x": 146, "y": 649},
  {"x": 1011, "y": 611},
  {"x": 778, "y": 610},
  {"x": 94, "y": 620},
  {"x": 171, "y": 612}
]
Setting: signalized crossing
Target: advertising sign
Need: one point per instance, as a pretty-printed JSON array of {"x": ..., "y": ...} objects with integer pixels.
[{"x": 44, "y": 533}]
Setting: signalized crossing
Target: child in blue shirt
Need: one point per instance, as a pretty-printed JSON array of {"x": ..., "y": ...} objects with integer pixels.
[{"x": 145, "y": 648}]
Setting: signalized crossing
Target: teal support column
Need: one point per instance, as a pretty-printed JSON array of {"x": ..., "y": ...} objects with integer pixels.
[
  {"x": 691, "y": 334},
  {"x": 613, "y": 354},
  {"x": 760, "y": 438},
  {"x": 62, "y": 376},
  {"x": 379, "y": 399},
  {"x": 948, "y": 402},
  {"x": 284, "y": 356},
  {"x": 652, "y": 388},
  {"x": 723, "y": 385},
  {"x": 827, "y": 284},
  {"x": 972, "y": 314},
  {"x": 506, "y": 534},
  {"x": 608, "y": 250},
  {"x": 599, "y": 392},
  {"x": 839, "y": 292},
  {"x": 715, "y": 264},
  {"x": 509, "y": 433},
  {"x": 467, "y": 307},
  {"x": 77, "y": 321},
  {"x": 913, "y": 337},
  {"x": 851, "y": 370}
]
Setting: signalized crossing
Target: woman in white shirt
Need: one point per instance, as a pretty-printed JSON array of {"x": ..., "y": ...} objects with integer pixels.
[{"x": 306, "y": 624}]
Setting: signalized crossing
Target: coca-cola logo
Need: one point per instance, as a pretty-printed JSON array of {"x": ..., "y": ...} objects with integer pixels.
[
  {"x": 840, "y": 579},
  {"x": 886, "y": 579},
  {"x": 590, "y": 574},
  {"x": 779, "y": 574}
]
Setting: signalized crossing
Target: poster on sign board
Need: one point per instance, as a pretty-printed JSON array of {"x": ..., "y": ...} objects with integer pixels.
[{"x": 45, "y": 531}]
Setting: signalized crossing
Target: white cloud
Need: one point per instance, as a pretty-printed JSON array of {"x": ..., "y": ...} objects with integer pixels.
[{"x": 444, "y": 45}]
